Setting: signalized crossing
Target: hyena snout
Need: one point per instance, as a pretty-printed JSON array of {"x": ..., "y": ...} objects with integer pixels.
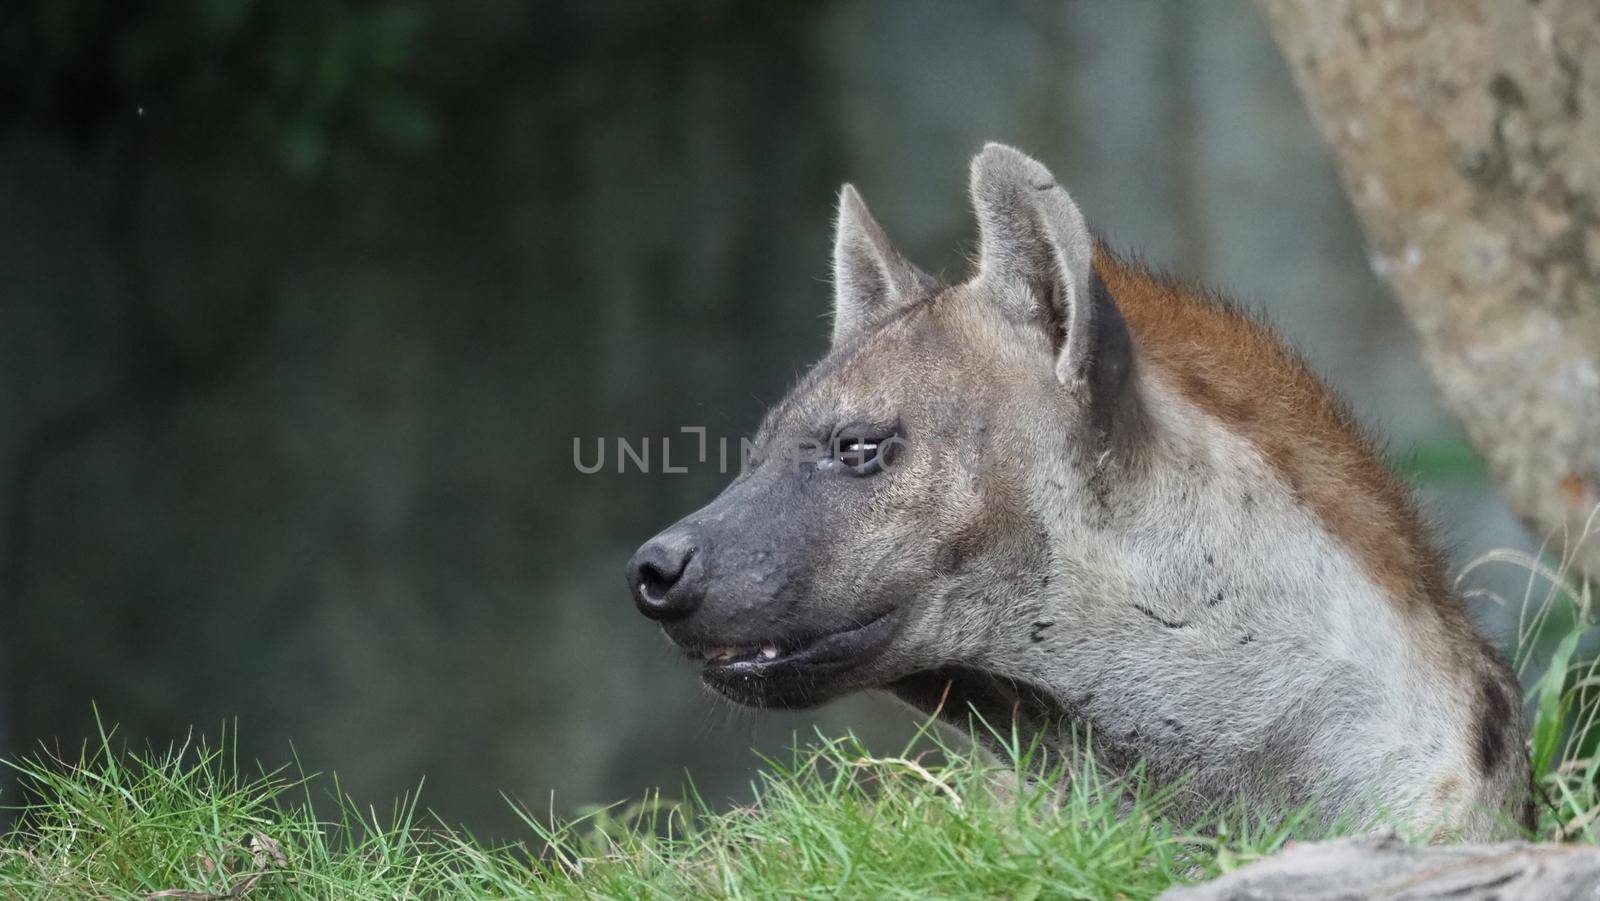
[
  {"x": 742, "y": 589},
  {"x": 667, "y": 576}
]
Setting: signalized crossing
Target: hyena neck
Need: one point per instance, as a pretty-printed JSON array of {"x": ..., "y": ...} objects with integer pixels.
[
  {"x": 1251, "y": 600},
  {"x": 1219, "y": 365},
  {"x": 1174, "y": 624}
]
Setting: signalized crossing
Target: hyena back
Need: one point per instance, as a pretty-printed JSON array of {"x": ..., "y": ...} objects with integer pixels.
[{"x": 1072, "y": 495}]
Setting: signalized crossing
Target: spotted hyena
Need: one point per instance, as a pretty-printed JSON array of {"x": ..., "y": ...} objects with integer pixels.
[{"x": 1070, "y": 494}]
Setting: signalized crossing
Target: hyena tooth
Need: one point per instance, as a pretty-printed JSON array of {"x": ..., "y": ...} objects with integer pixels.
[{"x": 769, "y": 651}]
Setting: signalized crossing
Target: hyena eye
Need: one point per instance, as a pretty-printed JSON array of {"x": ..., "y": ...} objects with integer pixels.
[{"x": 863, "y": 450}]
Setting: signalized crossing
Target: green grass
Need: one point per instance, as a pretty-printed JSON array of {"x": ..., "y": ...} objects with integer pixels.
[
  {"x": 1556, "y": 656},
  {"x": 830, "y": 820}
]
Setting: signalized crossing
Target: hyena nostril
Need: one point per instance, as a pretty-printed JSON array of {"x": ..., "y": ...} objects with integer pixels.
[
  {"x": 659, "y": 575},
  {"x": 654, "y": 584}
]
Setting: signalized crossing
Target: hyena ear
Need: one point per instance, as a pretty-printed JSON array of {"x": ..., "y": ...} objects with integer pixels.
[
  {"x": 870, "y": 278},
  {"x": 1035, "y": 257}
]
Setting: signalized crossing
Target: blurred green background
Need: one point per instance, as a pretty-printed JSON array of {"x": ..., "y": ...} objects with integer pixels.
[{"x": 303, "y": 303}]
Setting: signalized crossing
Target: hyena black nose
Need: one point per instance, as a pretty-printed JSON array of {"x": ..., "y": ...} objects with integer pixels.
[{"x": 663, "y": 576}]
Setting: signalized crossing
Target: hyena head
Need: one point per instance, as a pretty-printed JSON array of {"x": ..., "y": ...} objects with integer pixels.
[{"x": 887, "y": 522}]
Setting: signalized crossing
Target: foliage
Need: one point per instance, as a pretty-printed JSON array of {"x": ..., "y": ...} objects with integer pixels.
[
  {"x": 1555, "y": 655},
  {"x": 1444, "y": 460},
  {"x": 305, "y": 76}
]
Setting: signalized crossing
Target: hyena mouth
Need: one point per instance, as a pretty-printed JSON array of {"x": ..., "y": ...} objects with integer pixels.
[
  {"x": 715, "y": 656},
  {"x": 796, "y": 671}
]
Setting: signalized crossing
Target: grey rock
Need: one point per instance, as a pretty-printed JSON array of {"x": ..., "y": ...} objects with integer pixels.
[{"x": 1386, "y": 867}]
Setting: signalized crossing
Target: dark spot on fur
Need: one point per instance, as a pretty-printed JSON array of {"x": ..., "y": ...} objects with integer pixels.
[
  {"x": 1215, "y": 599},
  {"x": 1246, "y": 638},
  {"x": 1248, "y": 501},
  {"x": 1493, "y": 713},
  {"x": 1282, "y": 457},
  {"x": 1210, "y": 560},
  {"x": 1170, "y": 624},
  {"x": 1040, "y": 627},
  {"x": 1216, "y": 399},
  {"x": 971, "y": 541},
  {"x": 1506, "y": 90},
  {"x": 1173, "y": 724}
]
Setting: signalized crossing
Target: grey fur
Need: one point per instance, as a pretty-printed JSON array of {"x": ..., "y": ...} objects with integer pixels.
[
  {"x": 1166, "y": 592},
  {"x": 870, "y": 278},
  {"x": 1033, "y": 237}
]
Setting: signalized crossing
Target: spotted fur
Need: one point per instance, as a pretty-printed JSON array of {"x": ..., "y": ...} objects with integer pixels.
[{"x": 1125, "y": 510}]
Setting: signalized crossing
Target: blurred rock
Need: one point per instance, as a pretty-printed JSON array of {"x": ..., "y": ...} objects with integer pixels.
[{"x": 1385, "y": 867}]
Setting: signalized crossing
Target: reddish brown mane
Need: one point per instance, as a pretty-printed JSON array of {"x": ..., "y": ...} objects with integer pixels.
[{"x": 1236, "y": 369}]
